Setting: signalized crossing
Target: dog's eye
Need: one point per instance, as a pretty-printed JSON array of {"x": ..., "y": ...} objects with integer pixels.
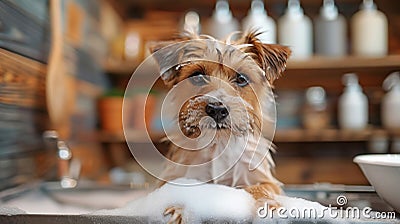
[
  {"x": 242, "y": 80},
  {"x": 198, "y": 79}
]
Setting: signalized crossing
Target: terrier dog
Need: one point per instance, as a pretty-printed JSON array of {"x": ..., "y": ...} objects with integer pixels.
[{"x": 231, "y": 101}]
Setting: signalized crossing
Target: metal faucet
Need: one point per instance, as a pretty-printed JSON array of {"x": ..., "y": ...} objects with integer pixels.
[{"x": 68, "y": 168}]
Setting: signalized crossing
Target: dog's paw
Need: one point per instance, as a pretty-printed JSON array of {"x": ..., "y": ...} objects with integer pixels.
[
  {"x": 269, "y": 203},
  {"x": 176, "y": 214}
]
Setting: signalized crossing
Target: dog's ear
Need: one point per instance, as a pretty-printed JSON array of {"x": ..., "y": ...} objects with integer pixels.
[
  {"x": 167, "y": 56},
  {"x": 271, "y": 58},
  {"x": 155, "y": 46}
]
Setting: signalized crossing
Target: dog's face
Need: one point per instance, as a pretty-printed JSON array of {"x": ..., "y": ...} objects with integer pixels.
[
  {"x": 225, "y": 95},
  {"x": 230, "y": 81}
]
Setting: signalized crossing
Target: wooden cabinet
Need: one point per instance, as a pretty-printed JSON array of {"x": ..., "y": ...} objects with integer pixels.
[
  {"x": 300, "y": 158},
  {"x": 307, "y": 156}
]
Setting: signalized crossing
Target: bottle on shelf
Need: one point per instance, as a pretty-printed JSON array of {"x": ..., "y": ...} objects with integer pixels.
[
  {"x": 369, "y": 28},
  {"x": 353, "y": 105},
  {"x": 222, "y": 22},
  {"x": 257, "y": 19},
  {"x": 191, "y": 22},
  {"x": 295, "y": 31},
  {"x": 391, "y": 102},
  {"x": 315, "y": 114},
  {"x": 395, "y": 146},
  {"x": 330, "y": 31}
]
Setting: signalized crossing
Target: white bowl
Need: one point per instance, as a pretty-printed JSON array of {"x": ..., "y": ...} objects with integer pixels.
[{"x": 383, "y": 172}]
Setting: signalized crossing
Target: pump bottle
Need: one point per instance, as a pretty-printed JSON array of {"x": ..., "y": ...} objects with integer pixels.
[
  {"x": 353, "y": 105},
  {"x": 222, "y": 22},
  {"x": 391, "y": 102},
  {"x": 369, "y": 28},
  {"x": 295, "y": 31},
  {"x": 258, "y": 20},
  {"x": 330, "y": 31}
]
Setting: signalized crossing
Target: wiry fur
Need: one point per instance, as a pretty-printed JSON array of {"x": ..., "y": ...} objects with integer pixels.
[{"x": 251, "y": 110}]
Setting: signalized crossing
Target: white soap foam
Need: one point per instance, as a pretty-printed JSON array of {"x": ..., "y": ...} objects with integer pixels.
[
  {"x": 204, "y": 202},
  {"x": 70, "y": 202},
  {"x": 7, "y": 210}
]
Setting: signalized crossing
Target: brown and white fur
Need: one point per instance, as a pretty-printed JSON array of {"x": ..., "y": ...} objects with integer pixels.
[{"x": 250, "y": 109}]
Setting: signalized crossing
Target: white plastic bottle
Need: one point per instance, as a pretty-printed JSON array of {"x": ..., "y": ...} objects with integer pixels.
[
  {"x": 353, "y": 105},
  {"x": 257, "y": 19},
  {"x": 330, "y": 31},
  {"x": 391, "y": 102},
  {"x": 191, "y": 22},
  {"x": 295, "y": 31},
  {"x": 369, "y": 28},
  {"x": 222, "y": 22}
]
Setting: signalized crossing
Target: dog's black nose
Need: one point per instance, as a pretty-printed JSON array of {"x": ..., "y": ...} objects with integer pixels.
[{"x": 217, "y": 111}]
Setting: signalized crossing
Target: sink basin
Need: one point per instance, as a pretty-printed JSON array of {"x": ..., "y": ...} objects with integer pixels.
[
  {"x": 85, "y": 198},
  {"x": 49, "y": 203},
  {"x": 383, "y": 172}
]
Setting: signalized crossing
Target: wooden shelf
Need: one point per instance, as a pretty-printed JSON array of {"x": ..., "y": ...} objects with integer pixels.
[
  {"x": 137, "y": 136},
  {"x": 120, "y": 67},
  {"x": 314, "y": 63},
  {"x": 344, "y": 62},
  {"x": 283, "y": 136},
  {"x": 328, "y": 135}
]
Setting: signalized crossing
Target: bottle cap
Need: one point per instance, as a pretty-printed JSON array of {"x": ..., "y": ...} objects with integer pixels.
[
  {"x": 329, "y": 11},
  {"x": 222, "y": 12},
  {"x": 368, "y": 5},
  {"x": 316, "y": 96},
  {"x": 257, "y": 8},
  {"x": 294, "y": 9},
  {"x": 350, "y": 80},
  {"x": 191, "y": 22},
  {"x": 392, "y": 82}
]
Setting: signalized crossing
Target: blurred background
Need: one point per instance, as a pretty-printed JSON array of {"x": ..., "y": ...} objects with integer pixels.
[{"x": 66, "y": 69}]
